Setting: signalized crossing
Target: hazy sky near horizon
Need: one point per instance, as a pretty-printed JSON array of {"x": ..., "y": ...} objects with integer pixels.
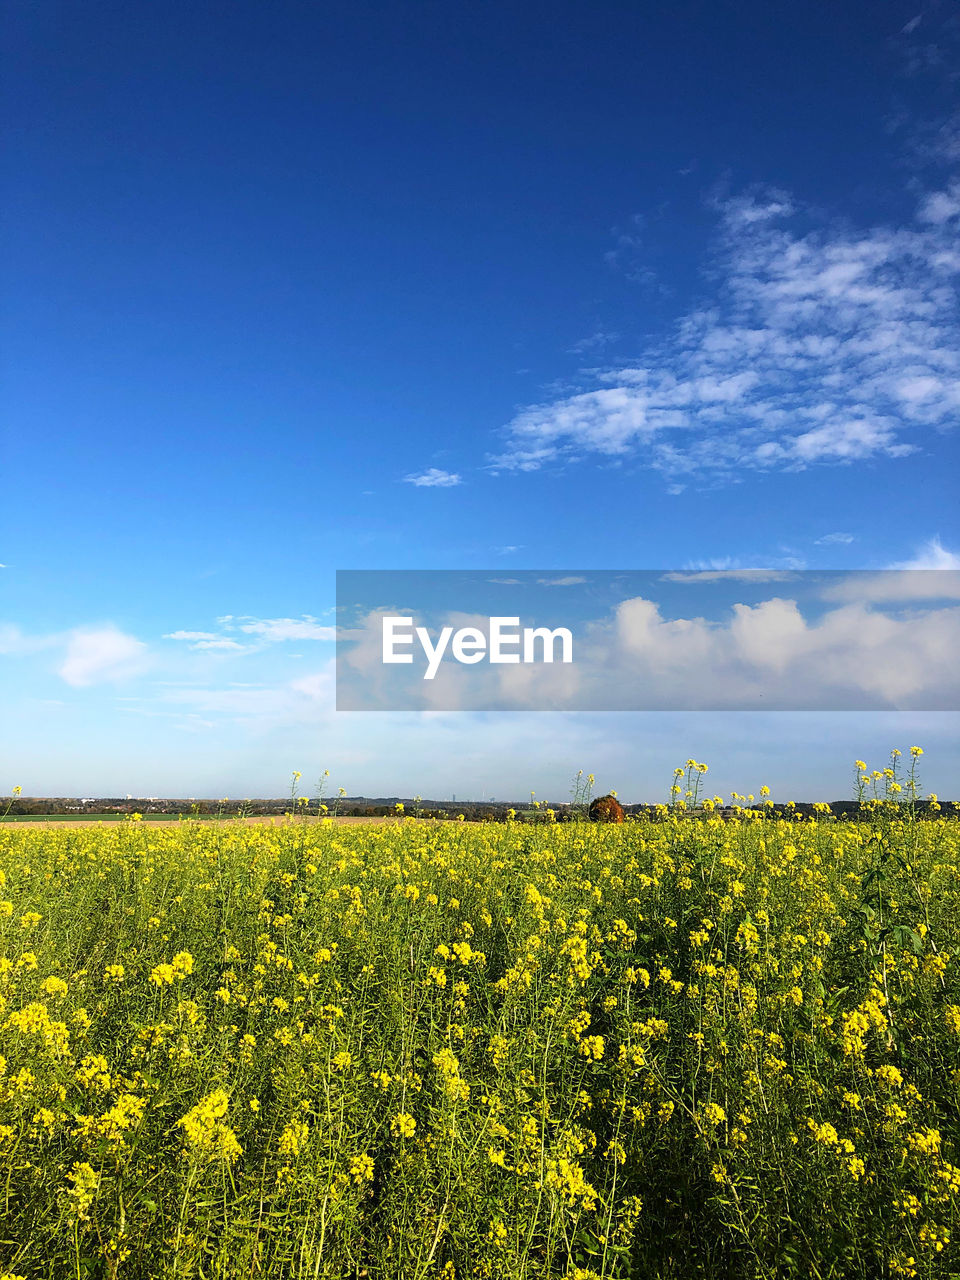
[{"x": 300, "y": 287}]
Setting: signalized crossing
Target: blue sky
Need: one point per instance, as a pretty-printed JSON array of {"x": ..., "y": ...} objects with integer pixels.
[{"x": 293, "y": 288}]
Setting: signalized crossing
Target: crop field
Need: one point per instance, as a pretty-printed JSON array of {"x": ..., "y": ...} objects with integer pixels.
[{"x": 684, "y": 1046}]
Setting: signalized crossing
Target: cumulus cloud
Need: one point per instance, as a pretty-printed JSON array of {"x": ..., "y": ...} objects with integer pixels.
[
  {"x": 822, "y": 346},
  {"x": 771, "y": 652},
  {"x": 777, "y": 654},
  {"x": 103, "y": 654},
  {"x": 434, "y": 478}
]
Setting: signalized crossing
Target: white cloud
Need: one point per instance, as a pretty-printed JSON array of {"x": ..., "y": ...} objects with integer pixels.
[
  {"x": 932, "y": 573},
  {"x": 773, "y": 654},
  {"x": 888, "y": 586},
  {"x": 728, "y": 575},
  {"x": 941, "y": 206},
  {"x": 835, "y": 539},
  {"x": 190, "y": 635},
  {"x": 319, "y": 687},
  {"x": 597, "y": 340},
  {"x": 98, "y": 655},
  {"x": 276, "y": 630},
  {"x": 207, "y": 641},
  {"x": 571, "y": 580},
  {"x": 822, "y": 345},
  {"x": 434, "y": 478},
  {"x": 15, "y": 643},
  {"x": 263, "y": 631},
  {"x": 303, "y": 700},
  {"x": 932, "y": 555},
  {"x": 221, "y": 643}
]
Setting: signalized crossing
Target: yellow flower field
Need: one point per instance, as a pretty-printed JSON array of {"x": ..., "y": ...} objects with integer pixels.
[{"x": 682, "y": 1046}]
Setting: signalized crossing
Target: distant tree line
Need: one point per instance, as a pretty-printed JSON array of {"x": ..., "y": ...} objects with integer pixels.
[{"x": 605, "y": 808}]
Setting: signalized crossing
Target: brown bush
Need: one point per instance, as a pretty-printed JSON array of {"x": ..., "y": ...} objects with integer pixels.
[{"x": 606, "y": 809}]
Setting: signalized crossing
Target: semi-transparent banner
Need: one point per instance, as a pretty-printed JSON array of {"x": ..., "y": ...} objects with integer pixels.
[{"x": 648, "y": 640}]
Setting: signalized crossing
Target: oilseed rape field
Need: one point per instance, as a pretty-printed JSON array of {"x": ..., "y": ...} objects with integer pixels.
[{"x": 691, "y": 1044}]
